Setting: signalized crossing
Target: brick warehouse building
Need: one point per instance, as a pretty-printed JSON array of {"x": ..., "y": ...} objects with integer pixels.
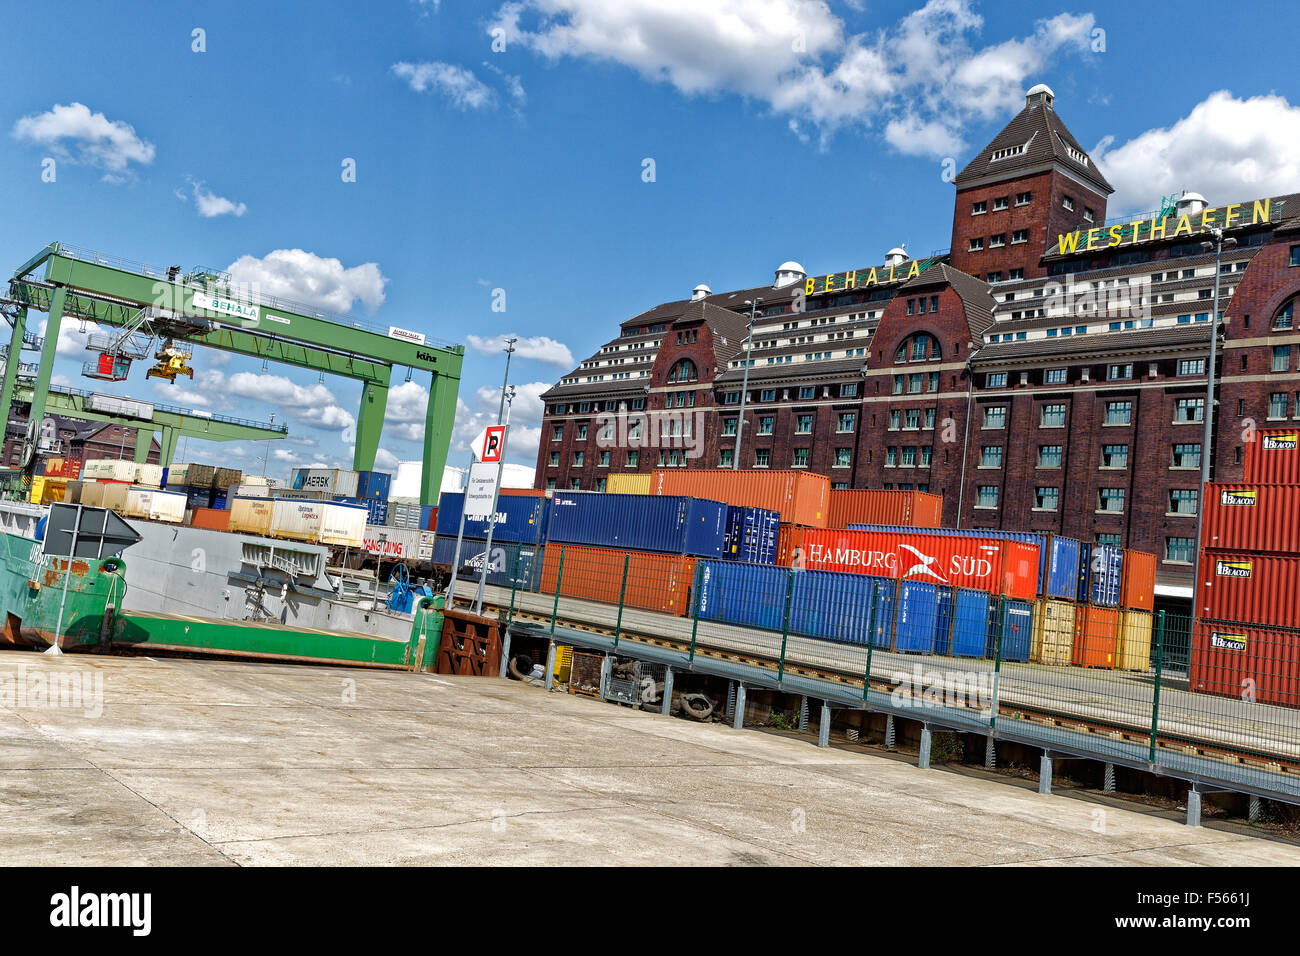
[{"x": 1046, "y": 374}]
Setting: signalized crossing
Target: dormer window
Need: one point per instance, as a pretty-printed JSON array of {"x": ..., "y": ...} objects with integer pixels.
[{"x": 1008, "y": 151}]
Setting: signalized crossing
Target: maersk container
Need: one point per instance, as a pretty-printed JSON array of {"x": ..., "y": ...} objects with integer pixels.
[
  {"x": 918, "y": 617},
  {"x": 1017, "y": 632},
  {"x": 342, "y": 524},
  {"x": 970, "y": 622},
  {"x": 665, "y": 523},
  {"x": 373, "y": 484},
  {"x": 296, "y": 518},
  {"x": 751, "y": 535},
  {"x": 517, "y": 566},
  {"x": 332, "y": 481},
  {"x": 520, "y": 519},
  {"x": 1107, "y": 575}
]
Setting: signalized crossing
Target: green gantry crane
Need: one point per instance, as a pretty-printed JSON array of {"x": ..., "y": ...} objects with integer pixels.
[{"x": 204, "y": 308}]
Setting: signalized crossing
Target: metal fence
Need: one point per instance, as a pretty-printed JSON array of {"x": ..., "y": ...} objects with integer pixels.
[{"x": 1129, "y": 687}]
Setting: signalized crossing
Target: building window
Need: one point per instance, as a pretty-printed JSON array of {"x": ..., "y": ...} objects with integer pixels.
[
  {"x": 976, "y": 245},
  {"x": 804, "y": 425},
  {"x": 1191, "y": 367},
  {"x": 991, "y": 456},
  {"x": 577, "y": 459},
  {"x": 1052, "y": 416},
  {"x": 1119, "y": 413},
  {"x": 914, "y": 383},
  {"x": 1119, "y": 372},
  {"x": 1183, "y": 501},
  {"x": 979, "y": 208},
  {"x": 683, "y": 371},
  {"x": 728, "y": 426},
  {"x": 1295, "y": 255},
  {"x": 604, "y": 459},
  {"x": 807, "y": 391},
  {"x": 1190, "y": 410},
  {"x": 550, "y": 484},
  {"x": 925, "y": 458},
  {"x": 575, "y": 484},
  {"x": 557, "y": 433},
  {"x": 1055, "y": 376},
  {"x": 847, "y": 421},
  {"x": 1088, "y": 214},
  {"x": 1045, "y": 499},
  {"x": 1114, "y": 540},
  {"x": 891, "y": 456},
  {"x": 843, "y": 457},
  {"x": 929, "y": 418},
  {"x": 767, "y": 395},
  {"x": 761, "y": 457},
  {"x": 895, "y": 417},
  {"x": 849, "y": 390},
  {"x": 912, "y": 419},
  {"x": 1114, "y": 456},
  {"x": 632, "y": 458},
  {"x": 995, "y": 380},
  {"x": 997, "y": 241},
  {"x": 638, "y": 404},
  {"x": 1022, "y": 199},
  {"x": 987, "y": 496},
  {"x": 1187, "y": 456},
  {"x": 1110, "y": 500},
  {"x": 995, "y": 416},
  {"x": 555, "y": 460},
  {"x": 918, "y": 348},
  {"x": 765, "y": 424},
  {"x": 909, "y": 457},
  {"x": 1180, "y": 550},
  {"x": 1277, "y": 405},
  {"x": 1068, "y": 203},
  {"x": 582, "y": 433},
  {"x": 1017, "y": 236},
  {"x": 1000, "y": 204},
  {"x": 1285, "y": 318},
  {"x": 800, "y": 458},
  {"x": 731, "y": 398},
  {"x": 1281, "y": 358},
  {"x": 1049, "y": 456}
]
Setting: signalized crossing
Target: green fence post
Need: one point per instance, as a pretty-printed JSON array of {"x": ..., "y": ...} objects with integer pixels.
[
  {"x": 997, "y": 662},
  {"x": 1155, "y": 700},
  {"x": 622, "y": 595},
  {"x": 871, "y": 642},
  {"x": 695, "y": 613},
  {"x": 785, "y": 626},
  {"x": 559, "y": 576}
]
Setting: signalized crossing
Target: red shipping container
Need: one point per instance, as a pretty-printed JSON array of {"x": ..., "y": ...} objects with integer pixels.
[
  {"x": 1251, "y": 517},
  {"x": 1139, "y": 587},
  {"x": 999, "y": 567},
  {"x": 1250, "y": 663},
  {"x": 1274, "y": 456},
  {"x": 1246, "y": 586},
  {"x": 655, "y": 582},
  {"x": 801, "y": 497},
  {"x": 1096, "y": 630},
  {"x": 913, "y": 509},
  {"x": 214, "y": 519}
]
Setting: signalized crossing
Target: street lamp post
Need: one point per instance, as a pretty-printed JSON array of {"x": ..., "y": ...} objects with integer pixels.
[
  {"x": 267, "y": 453},
  {"x": 1207, "y": 449},
  {"x": 748, "y": 346}
]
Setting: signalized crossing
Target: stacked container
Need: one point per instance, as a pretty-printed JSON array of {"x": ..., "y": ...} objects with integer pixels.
[
  {"x": 801, "y": 498},
  {"x": 1246, "y": 640},
  {"x": 912, "y": 509},
  {"x": 672, "y": 524}
]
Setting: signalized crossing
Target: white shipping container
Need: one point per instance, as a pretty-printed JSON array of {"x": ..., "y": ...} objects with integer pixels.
[
  {"x": 149, "y": 475},
  {"x": 332, "y": 481},
  {"x": 296, "y": 518},
  {"x": 110, "y": 469},
  {"x": 154, "y": 505},
  {"x": 343, "y": 525},
  {"x": 255, "y": 480},
  {"x": 395, "y": 544},
  {"x": 251, "y": 515},
  {"x": 114, "y": 497}
]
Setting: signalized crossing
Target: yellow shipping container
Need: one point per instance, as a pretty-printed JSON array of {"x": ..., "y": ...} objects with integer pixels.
[
  {"x": 628, "y": 484},
  {"x": 115, "y": 496},
  {"x": 92, "y": 493},
  {"x": 563, "y": 662},
  {"x": 251, "y": 515},
  {"x": 38, "y": 489},
  {"x": 1134, "y": 651},
  {"x": 1053, "y": 637},
  {"x": 52, "y": 490}
]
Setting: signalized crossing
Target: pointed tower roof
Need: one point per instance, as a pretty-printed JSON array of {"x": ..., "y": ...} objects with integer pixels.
[{"x": 1036, "y": 137}]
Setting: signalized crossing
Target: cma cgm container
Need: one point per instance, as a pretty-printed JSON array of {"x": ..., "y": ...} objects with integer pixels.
[
  {"x": 332, "y": 481},
  {"x": 1274, "y": 456},
  {"x": 1106, "y": 575},
  {"x": 751, "y": 535},
  {"x": 638, "y": 522},
  {"x": 655, "y": 582},
  {"x": 521, "y": 519},
  {"x": 800, "y": 497},
  {"x": 512, "y": 567},
  {"x": 628, "y": 484},
  {"x": 914, "y": 509},
  {"x": 999, "y": 567},
  {"x": 1244, "y": 586},
  {"x": 1251, "y": 517},
  {"x": 1247, "y": 662}
]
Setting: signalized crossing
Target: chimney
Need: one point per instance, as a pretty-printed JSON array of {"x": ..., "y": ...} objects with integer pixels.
[{"x": 700, "y": 291}]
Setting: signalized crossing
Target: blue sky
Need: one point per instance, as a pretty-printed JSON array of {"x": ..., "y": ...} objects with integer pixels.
[{"x": 778, "y": 129}]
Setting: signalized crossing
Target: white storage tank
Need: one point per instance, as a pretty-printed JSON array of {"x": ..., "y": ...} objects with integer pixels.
[
  {"x": 343, "y": 524},
  {"x": 296, "y": 518},
  {"x": 335, "y": 482},
  {"x": 251, "y": 515}
]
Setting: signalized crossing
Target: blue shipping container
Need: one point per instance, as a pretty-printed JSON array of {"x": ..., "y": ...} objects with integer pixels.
[
  {"x": 1107, "y": 574},
  {"x": 1017, "y": 630},
  {"x": 746, "y": 594},
  {"x": 918, "y": 617},
  {"x": 374, "y": 484},
  {"x": 751, "y": 535},
  {"x": 377, "y": 511},
  {"x": 667, "y": 523},
  {"x": 970, "y": 622},
  {"x": 1085, "y": 574},
  {"x": 944, "y": 629},
  {"x": 510, "y": 565},
  {"x": 219, "y": 501},
  {"x": 520, "y": 518}
]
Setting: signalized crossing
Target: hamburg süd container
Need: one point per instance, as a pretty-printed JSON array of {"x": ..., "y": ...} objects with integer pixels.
[
  {"x": 332, "y": 481},
  {"x": 1096, "y": 636},
  {"x": 665, "y": 523},
  {"x": 520, "y": 518},
  {"x": 751, "y": 535},
  {"x": 1247, "y": 586},
  {"x": 511, "y": 566},
  {"x": 628, "y": 484},
  {"x": 655, "y": 582},
  {"x": 1273, "y": 457},
  {"x": 1251, "y": 517},
  {"x": 1053, "y": 632},
  {"x": 251, "y": 515},
  {"x": 1107, "y": 575},
  {"x": 1134, "y": 650},
  {"x": 1017, "y": 631},
  {"x": 971, "y": 623},
  {"x": 1253, "y": 664},
  {"x": 296, "y": 518},
  {"x": 801, "y": 497},
  {"x": 342, "y": 524},
  {"x": 914, "y": 509},
  {"x": 1139, "y": 582},
  {"x": 917, "y": 618}
]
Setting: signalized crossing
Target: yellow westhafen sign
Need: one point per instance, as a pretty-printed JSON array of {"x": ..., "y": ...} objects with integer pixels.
[
  {"x": 866, "y": 278},
  {"x": 1142, "y": 230}
]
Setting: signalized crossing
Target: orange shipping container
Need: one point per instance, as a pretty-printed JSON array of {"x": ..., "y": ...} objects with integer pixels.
[
  {"x": 913, "y": 509},
  {"x": 1246, "y": 586},
  {"x": 214, "y": 519},
  {"x": 1256, "y": 664},
  {"x": 1252, "y": 517},
  {"x": 801, "y": 497},
  {"x": 655, "y": 582},
  {"x": 1096, "y": 630},
  {"x": 1274, "y": 456},
  {"x": 1139, "y": 587}
]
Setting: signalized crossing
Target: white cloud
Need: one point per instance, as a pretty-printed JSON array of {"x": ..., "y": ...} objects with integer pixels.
[
  {"x": 75, "y": 134},
  {"x": 540, "y": 348},
  {"x": 407, "y": 402},
  {"x": 795, "y": 56},
  {"x": 1227, "y": 149},
  {"x": 526, "y": 410},
  {"x": 310, "y": 279},
  {"x": 461, "y": 88},
  {"x": 72, "y": 341},
  {"x": 313, "y": 405},
  {"x": 385, "y": 460},
  {"x": 210, "y": 205}
]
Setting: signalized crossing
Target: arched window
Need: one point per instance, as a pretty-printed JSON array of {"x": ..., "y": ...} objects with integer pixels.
[
  {"x": 918, "y": 348},
  {"x": 1285, "y": 318},
  {"x": 683, "y": 371}
]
